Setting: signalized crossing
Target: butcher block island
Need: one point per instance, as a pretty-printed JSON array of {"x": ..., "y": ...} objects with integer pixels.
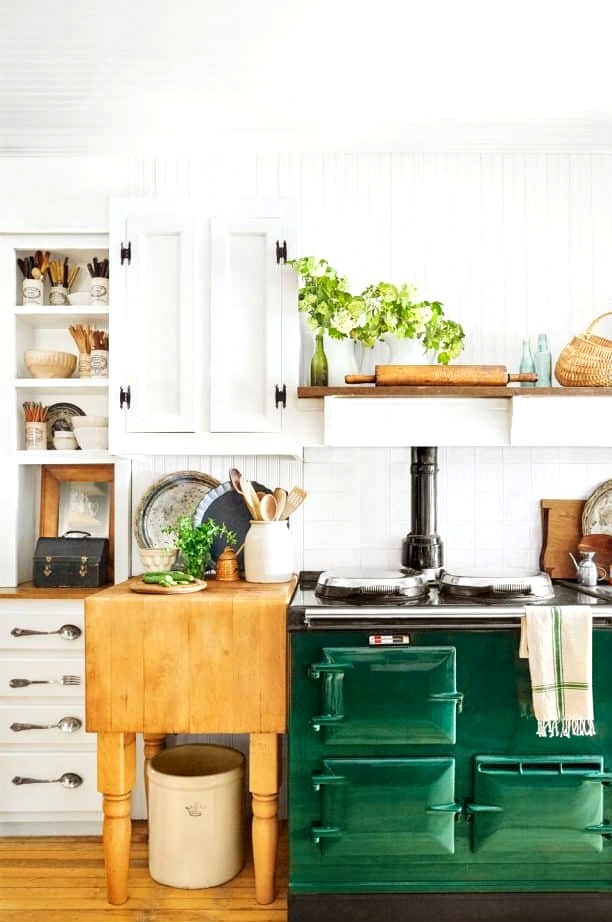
[{"x": 204, "y": 662}]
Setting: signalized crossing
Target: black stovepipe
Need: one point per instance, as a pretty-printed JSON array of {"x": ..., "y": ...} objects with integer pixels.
[{"x": 423, "y": 548}]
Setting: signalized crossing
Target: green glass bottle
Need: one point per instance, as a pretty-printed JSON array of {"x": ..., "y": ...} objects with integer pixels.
[{"x": 318, "y": 363}]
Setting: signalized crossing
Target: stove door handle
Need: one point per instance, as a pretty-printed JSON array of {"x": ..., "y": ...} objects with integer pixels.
[
  {"x": 449, "y": 696},
  {"x": 325, "y": 832},
  {"x": 445, "y": 808},
  {"x": 601, "y": 829},
  {"x": 603, "y": 777},
  {"x": 325, "y": 720},
  {"x": 317, "y": 669}
]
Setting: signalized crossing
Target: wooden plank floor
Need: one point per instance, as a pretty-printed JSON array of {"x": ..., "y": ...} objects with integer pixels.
[{"x": 61, "y": 879}]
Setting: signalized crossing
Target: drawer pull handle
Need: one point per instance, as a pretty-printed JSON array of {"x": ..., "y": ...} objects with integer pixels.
[
  {"x": 64, "y": 680},
  {"x": 65, "y": 724},
  {"x": 68, "y": 780},
  {"x": 67, "y": 631}
]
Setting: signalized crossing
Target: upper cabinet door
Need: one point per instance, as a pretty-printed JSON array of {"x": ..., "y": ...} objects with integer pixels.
[
  {"x": 203, "y": 326},
  {"x": 245, "y": 326},
  {"x": 160, "y": 344}
]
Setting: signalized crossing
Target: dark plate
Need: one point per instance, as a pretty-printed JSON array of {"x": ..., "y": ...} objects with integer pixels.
[
  {"x": 59, "y": 416},
  {"x": 227, "y": 507}
]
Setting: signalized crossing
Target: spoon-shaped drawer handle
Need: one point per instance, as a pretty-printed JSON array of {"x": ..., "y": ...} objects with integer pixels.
[
  {"x": 68, "y": 780},
  {"x": 67, "y": 631},
  {"x": 65, "y": 724}
]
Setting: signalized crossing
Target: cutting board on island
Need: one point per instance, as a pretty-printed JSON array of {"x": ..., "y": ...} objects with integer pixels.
[{"x": 561, "y": 533}]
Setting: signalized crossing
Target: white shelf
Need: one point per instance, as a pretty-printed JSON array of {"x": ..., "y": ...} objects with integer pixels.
[
  {"x": 52, "y": 456},
  {"x": 52, "y": 317},
  {"x": 61, "y": 384}
]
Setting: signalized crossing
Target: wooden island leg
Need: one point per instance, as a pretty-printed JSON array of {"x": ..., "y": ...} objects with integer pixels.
[
  {"x": 116, "y": 776},
  {"x": 153, "y": 743},
  {"x": 264, "y": 765}
]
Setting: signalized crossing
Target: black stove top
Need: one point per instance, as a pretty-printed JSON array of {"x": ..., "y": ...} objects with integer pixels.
[{"x": 307, "y": 609}]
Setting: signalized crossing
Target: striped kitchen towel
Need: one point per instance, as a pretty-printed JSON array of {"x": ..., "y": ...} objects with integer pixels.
[{"x": 558, "y": 643}]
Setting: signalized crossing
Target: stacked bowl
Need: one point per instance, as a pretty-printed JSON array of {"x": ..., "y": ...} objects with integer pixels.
[{"x": 91, "y": 432}]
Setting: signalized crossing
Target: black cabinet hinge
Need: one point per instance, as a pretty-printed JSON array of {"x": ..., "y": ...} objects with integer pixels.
[
  {"x": 125, "y": 397},
  {"x": 281, "y": 251},
  {"x": 280, "y": 395},
  {"x": 126, "y": 252}
]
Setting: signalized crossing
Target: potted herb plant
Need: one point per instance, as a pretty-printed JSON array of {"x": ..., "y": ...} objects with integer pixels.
[
  {"x": 395, "y": 316},
  {"x": 194, "y": 542}
]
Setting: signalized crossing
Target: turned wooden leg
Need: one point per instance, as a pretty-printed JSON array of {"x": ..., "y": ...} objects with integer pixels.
[
  {"x": 263, "y": 785},
  {"x": 116, "y": 775},
  {"x": 153, "y": 743}
]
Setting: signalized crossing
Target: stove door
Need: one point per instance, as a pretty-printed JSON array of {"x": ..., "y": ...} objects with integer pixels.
[
  {"x": 386, "y": 696},
  {"x": 385, "y": 808},
  {"x": 549, "y": 807}
]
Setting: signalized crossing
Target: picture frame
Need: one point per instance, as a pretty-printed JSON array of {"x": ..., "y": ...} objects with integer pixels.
[{"x": 78, "y": 497}]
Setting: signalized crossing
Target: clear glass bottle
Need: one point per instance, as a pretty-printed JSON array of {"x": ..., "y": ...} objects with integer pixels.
[
  {"x": 319, "y": 372},
  {"x": 526, "y": 362},
  {"x": 542, "y": 361}
]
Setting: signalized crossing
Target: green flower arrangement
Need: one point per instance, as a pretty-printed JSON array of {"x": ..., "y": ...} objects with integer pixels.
[
  {"x": 394, "y": 310},
  {"x": 325, "y": 298}
]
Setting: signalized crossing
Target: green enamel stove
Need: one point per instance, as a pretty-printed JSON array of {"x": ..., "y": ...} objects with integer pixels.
[{"x": 418, "y": 786}]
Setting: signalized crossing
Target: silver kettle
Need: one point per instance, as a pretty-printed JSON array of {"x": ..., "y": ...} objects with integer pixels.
[{"x": 587, "y": 571}]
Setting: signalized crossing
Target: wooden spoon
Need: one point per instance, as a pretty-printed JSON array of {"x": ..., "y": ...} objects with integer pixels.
[
  {"x": 268, "y": 507},
  {"x": 250, "y": 497},
  {"x": 235, "y": 476},
  {"x": 280, "y": 496},
  {"x": 295, "y": 498}
]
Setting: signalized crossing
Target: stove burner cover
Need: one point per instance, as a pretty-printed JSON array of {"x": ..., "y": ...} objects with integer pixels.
[
  {"x": 524, "y": 584},
  {"x": 371, "y": 587}
]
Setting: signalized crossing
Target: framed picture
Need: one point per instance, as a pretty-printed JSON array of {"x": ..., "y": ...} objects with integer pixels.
[{"x": 78, "y": 497}]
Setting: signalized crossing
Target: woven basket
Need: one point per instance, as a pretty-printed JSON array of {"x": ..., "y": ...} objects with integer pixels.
[{"x": 587, "y": 360}]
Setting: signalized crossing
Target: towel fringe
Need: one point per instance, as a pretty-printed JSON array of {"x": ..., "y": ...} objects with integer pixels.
[{"x": 567, "y": 727}]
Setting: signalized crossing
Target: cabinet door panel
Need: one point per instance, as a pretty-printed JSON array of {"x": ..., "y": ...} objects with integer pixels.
[
  {"x": 245, "y": 326},
  {"x": 160, "y": 346}
]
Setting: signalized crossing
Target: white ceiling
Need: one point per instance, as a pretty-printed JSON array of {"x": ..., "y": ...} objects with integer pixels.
[{"x": 187, "y": 75}]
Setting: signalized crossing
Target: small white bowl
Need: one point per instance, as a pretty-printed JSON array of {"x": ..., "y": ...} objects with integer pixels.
[
  {"x": 64, "y": 441},
  {"x": 92, "y": 438},
  {"x": 83, "y": 422},
  {"x": 157, "y": 558}
]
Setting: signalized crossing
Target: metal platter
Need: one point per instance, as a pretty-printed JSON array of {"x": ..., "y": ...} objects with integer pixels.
[
  {"x": 59, "y": 416},
  {"x": 165, "y": 501},
  {"x": 597, "y": 512}
]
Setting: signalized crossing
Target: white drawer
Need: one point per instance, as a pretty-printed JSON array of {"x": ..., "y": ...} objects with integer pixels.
[
  {"x": 14, "y": 715},
  {"x": 28, "y": 615},
  {"x": 43, "y": 797},
  {"x": 48, "y": 668}
]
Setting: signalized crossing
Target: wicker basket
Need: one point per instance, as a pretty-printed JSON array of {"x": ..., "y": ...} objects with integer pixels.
[{"x": 587, "y": 360}]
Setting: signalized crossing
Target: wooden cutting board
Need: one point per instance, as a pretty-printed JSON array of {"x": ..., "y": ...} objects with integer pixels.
[
  {"x": 561, "y": 533},
  {"x": 156, "y": 589}
]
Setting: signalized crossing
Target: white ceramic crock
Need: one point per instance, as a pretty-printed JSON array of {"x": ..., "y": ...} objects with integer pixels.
[{"x": 268, "y": 552}]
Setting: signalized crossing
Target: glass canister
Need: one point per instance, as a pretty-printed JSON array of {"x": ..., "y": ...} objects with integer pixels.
[{"x": 268, "y": 552}]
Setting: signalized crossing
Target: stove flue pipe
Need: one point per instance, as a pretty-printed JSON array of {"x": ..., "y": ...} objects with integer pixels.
[{"x": 422, "y": 548}]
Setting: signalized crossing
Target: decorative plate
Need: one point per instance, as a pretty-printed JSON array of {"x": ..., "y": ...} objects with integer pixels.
[
  {"x": 165, "y": 501},
  {"x": 59, "y": 416},
  {"x": 227, "y": 507},
  {"x": 156, "y": 589},
  {"x": 597, "y": 512}
]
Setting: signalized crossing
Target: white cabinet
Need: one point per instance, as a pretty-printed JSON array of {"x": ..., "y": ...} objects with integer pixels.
[
  {"x": 204, "y": 328},
  {"x": 34, "y": 751}
]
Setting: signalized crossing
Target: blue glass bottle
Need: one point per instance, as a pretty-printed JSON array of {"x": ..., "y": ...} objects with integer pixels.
[
  {"x": 542, "y": 361},
  {"x": 526, "y": 363}
]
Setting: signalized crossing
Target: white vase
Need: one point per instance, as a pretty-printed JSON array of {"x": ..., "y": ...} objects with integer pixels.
[
  {"x": 341, "y": 360},
  {"x": 406, "y": 351}
]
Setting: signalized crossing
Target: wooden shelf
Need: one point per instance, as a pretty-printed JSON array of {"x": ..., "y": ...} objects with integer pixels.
[{"x": 449, "y": 390}]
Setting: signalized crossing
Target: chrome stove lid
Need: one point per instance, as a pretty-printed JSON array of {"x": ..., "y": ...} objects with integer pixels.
[
  {"x": 371, "y": 586},
  {"x": 482, "y": 583}
]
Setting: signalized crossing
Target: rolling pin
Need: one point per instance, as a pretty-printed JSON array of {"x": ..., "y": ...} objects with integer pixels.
[{"x": 432, "y": 375}]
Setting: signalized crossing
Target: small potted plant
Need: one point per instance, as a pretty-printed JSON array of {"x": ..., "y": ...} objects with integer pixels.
[
  {"x": 395, "y": 316},
  {"x": 194, "y": 542},
  {"x": 330, "y": 309}
]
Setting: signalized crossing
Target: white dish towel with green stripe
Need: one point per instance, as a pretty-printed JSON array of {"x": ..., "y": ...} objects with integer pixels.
[{"x": 558, "y": 643}]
